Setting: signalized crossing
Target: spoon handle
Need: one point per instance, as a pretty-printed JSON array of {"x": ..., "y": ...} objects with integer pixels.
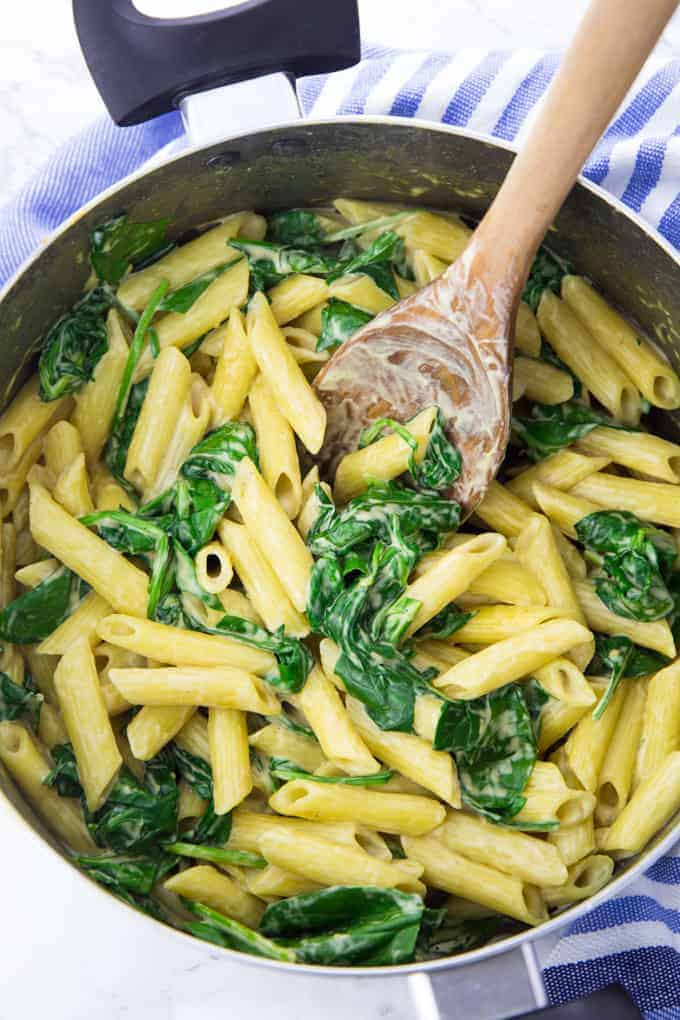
[{"x": 605, "y": 56}]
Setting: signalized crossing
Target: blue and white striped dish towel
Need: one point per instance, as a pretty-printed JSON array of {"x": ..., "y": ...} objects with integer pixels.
[{"x": 635, "y": 938}]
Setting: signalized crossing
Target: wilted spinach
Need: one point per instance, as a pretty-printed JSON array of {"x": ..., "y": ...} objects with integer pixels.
[
  {"x": 339, "y": 321},
  {"x": 35, "y": 614},
  {"x": 375, "y": 261},
  {"x": 617, "y": 657},
  {"x": 17, "y": 700},
  {"x": 288, "y": 770},
  {"x": 270, "y": 263},
  {"x": 211, "y": 829},
  {"x": 546, "y": 273},
  {"x": 224, "y": 931},
  {"x": 64, "y": 775},
  {"x": 635, "y": 560},
  {"x": 551, "y": 427},
  {"x": 297, "y": 228},
  {"x": 118, "y": 245},
  {"x": 120, "y": 437},
  {"x": 74, "y": 345},
  {"x": 182, "y": 299}
]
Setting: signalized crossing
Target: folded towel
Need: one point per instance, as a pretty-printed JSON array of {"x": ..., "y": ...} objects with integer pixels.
[{"x": 634, "y": 938}]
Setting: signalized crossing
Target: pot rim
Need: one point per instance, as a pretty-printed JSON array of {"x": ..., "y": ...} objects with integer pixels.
[{"x": 571, "y": 913}]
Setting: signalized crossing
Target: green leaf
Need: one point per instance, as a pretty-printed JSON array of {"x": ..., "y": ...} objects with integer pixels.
[
  {"x": 127, "y": 532},
  {"x": 617, "y": 657},
  {"x": 74, "y": 346},
  {"x": 64, "y": 776},
  {"x": 35, "y": 614},
  {"x": 118, "y": 244},
  {"x": 217, "y": 855},
  {"x": 492, "y": 739},
  {"x": 357, "y": 229},
  {"x": 211, "y": 829},
  {"x": 286, "y": 770},
  {"x": 118, "y": 444},
  {"x": 536, "y": 698},
  {"x": 546, "y": 273},
  {"x": 216, "y": 457},
  {"x": 224, "y": 931},
  {"x": 297, "y": 228},
  {"x": 16, "y": 700},
  {"x": 447, "y": 621},
  {"x": 441, "y": 465},
  {"x": 460, "y": 936},
  {"x": 339, "y": 321},
  {"x": 375, "y": 262},
  {"x": 136, "y": 874},
  {"x": 182, "y": 299},
  {"x": 138, "y": 816},
  {"x": 194, "y": 770},
  {"x": 551, "y": 427},
  {"x": 270, "y": 263},
  {"x": 635, "y": 560}
]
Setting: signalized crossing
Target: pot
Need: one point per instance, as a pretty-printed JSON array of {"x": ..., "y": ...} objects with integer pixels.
[{"x": 268, "y": 43}]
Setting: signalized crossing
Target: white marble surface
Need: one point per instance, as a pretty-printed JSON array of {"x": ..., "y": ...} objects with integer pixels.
[{"x": 67, "y": 951}]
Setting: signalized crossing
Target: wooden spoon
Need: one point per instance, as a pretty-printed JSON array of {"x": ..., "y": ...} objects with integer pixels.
[{"x": 451, "y": 343}]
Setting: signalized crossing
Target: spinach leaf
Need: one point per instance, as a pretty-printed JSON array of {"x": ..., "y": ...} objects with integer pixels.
[
  {"x": 211, "y": 829},
  {"x": 270, "y": 263},
  {"x": 635, "y": 561},
  {"x": 199, "y": 505},
  {"x": 441, "y": 465},
  {"x": 217, "y": 855},
  {"x": 64, "y": 776},
  {"x": 138, "y": 816},
  {"x": 617, "y": 657},
  {"x": 551, "y": 427},
  {"x": 536, "y": 698},
  {"x": 347, "y": 924},
  {"x": 35, "y": 614},
  {"x": 357, "y": 229},
  {"x": 182, "y": 299},
  {"x": 74, "y": 345},
  {"x": 16, "y": 700},
  {"x": 118, "y": 244},
  {"x": 339, "y": 321},
  {"x": 224, "y": 931},
  {"x": 216, "y": 456},
  {"x": 460, "y": 936},
  {"x": 287, "y": 770},
  {"x": 447, "y": 621},
  {"x": 194, "y": 770},
  {"x": 492, "y": 739},
  {"x": 297, "y": 228},
  {"x": 546, "y": 273},
  {"x": 116, "y": 451},
  {"x": 375, "y": 262},
  {"x": 137, "y": 874}
]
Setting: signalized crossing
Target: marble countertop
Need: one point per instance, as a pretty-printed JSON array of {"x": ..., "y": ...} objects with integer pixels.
[{"x": 69, "y": 952}]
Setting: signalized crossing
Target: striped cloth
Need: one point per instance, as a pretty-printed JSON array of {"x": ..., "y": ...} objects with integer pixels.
[{"x": 634, "y": 938}]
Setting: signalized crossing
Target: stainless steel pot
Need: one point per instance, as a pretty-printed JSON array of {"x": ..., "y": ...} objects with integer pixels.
[{"x": 307, "y": 163}]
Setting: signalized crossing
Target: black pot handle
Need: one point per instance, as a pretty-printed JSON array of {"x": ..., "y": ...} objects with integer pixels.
[{"x": 143, "y": 66}]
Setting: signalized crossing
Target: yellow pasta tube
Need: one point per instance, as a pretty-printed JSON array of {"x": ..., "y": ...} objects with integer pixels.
[
  {"x": 656, "y": 635},
  {"x": 527, "y": 333},
  {"x": 339, "y": 739},
  {"x": 573, "y": 560},
  {"x": 154, "y": 726},
  {"x": 275, "y": 883},
  {"x": 175, "y": 329},
  {"x": 561, "y": 470},
  {"x": 383, "y": 460},
  {"x": 335, "y": 864},
  {"x": 27, "y": 418},
  {"x": 540, "y": 381},
  {"x": 526, "y": 857},
  {"x": 190, "y": 804},
  {"x": 93, "y": 559},
  {"x": 596, "y": 369},
  {"x": 106, "y": 658},
  {"x": 276, "y": 448},
  {"x": 110, "y": 495},
  {"x": 82, "y": 622},
  {"x": 296, "y": 295},
  {"x": 654, "y": 802},
  {"x": 248, "y": 827},
  {"x": 512, "y": 659},
  {"x": 184, "y": 263},
  {"x": 235, "y": 370},
  {"x": 557, "y": 718},
  {"x": 207, "y": 885},
  {"x": 387, "y": 812},
  {"x": 270, "y": 528},
  {"x": 13, "y": 484},
  {"x": 549, "y": 799},
  {"x": 235, "y": 603},
  {"x": 51, "y": 729},
  {"x": 573, "y": 842},
  {"x": 181, "y": 647},
  {"x": 564, "y": 509},
  {"x": 61, "y": 446},
  {"x": 217, "y": 686},
  {"x": 261, "y": 582},
  {"x": 409, "y": 754},
  {"x": 537, "y": 550},
  {"x": 28, "y": 768},
  {"x": 310, "y": 510},
  {"x": 507, "y": 581},
  {"x": 652, "y": 501},
  {"x": 280, "y": 742},
  {"x": 193, "y": 736},
  {"x": 498, "y": 623},
  {"x": 87, "y": 722},
  {"x": 585, "y": 879},
  {"x": 565, "y": 681},
  {"x": 445, "y": 869},
  {"x": 587, "y": 743},
  {"x": 294, "y": 396},
  {"x": 450, "y": 576},
  {"x": 637, "y": 451},
  {"x": 660, "y": 721},
  {"x": 213, "y": 567},
  {"x": 653, "y": 376},
  {"x": 72, "y": 489},
  {"x": 502, "y": 510},
  {"x": 426, "y": 267},
  {"x": 229, "y": 758},
  {"x": 615, "y": 777},
  {"x": 361, "y": 290},
  {"x": 95, "y": 403}
]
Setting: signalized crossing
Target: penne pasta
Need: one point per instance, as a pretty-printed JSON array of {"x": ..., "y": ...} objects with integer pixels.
[
  {"x": 229, "y": 758},
  {"x": 276, "y": 448},
  {"x": 210, "y": 686}
]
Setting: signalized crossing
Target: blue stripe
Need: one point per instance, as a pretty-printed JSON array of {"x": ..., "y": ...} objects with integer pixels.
[
  {"x": 633, "y": 118},
  {"x": 529, "y": 92},
  {"x": 646, "y": 173},
  {"x": 625, "y": 910},
  {"x": 649, "y": 975},
  {"x": 410, "y": 96},
  {"x": 366, "y": 80},
  {"x": 666, "y": 869},
  {"x": 309, "y": 90},
  {"x": 470, "y": 92}
]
